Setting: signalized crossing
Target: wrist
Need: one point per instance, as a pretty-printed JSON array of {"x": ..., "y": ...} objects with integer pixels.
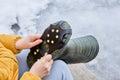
[
  {"x": 35, "y": 73},
  {"x": 18, "y": 43}
]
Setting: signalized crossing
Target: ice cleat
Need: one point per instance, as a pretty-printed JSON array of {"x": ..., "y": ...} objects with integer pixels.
[{"x": 55, "y": 37}]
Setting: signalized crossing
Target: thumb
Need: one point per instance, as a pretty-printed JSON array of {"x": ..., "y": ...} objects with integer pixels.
[{"x": 36, "y": 42}]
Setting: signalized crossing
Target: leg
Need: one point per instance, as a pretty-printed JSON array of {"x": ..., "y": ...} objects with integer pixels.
[{"x": 59, "y": 71}]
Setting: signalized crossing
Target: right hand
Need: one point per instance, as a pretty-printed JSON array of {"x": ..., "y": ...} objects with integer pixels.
[
  {"x": 42, "y": 66},
  {"x": 28, "y": 41}
]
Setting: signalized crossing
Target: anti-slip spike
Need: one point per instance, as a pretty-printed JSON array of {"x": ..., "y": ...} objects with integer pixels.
[
  {"x": 55, "y": 37},
  {"x": 78, "y": 50}
]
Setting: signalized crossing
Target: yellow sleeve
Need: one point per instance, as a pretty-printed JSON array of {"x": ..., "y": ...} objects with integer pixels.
[
  {"x": 3, "y": 74},
  {"x": 29, "y": 76},
  {"x": 9, "y": 42},
  {"x": 8, "y": 69},
  {"x": 8, "y": 64}
]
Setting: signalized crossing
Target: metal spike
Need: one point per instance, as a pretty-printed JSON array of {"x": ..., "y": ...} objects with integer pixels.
[
  {"x": 37, "y": 50},
  {"x": 57, "y": 31},
  {"x": 48, "y": 41},
  {"x": 48, "y": 35},
  {"x": 56, "y": 36},
  {"x": 52, "y": 30},
  {"x": 52, "y": 42},
  {"x": 35, "y": 53}
]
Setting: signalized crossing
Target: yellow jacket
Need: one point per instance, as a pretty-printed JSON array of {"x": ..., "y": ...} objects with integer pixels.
[{"x": 8, "y": 61}]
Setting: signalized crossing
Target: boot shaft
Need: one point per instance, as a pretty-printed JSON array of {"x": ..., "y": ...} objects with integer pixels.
[{"x": 80, "y": 50}]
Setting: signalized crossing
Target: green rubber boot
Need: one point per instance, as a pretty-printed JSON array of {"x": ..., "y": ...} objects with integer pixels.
[
  {"x": 80, "y": 50},
  {"x": 55, "y": 37}
]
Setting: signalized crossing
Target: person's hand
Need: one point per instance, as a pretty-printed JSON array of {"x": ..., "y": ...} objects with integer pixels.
[
  {"x": 28, "y": 42},
  {"x": 42, "y": 66}
]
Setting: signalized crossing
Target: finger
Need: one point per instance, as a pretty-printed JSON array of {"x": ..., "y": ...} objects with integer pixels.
[
  {"x": 47, "y": 68},
  {"x": 49, "y": 64},
  {"x": 34, "y": 36},
  {"x": 48, "y": 57},
  {"x": 36, "y": 42},
  {"x": 41, "y": 61},
  {"x": 46, "y": 54},
  {"x": 51, "y": 61},
  {"x": 37, "y": 36}
]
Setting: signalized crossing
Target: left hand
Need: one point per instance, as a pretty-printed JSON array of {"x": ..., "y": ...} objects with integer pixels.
[
  {"x": 42, "y": 66},
  {"x": 28, "y": 42}
]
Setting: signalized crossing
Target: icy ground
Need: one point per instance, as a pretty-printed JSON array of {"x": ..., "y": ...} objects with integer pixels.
[{"x": 100, "y": 18}]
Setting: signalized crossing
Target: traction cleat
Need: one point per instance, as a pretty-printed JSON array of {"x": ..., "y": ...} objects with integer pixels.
[{"x": 55, "y": 37}]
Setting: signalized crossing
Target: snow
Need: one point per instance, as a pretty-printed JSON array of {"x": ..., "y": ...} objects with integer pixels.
[
  {"x": 24, "y": 10},
  {"x": 100, "y": 18}
]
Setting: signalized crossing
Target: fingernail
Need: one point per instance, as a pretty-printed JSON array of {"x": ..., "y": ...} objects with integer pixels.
[
  {"x": 46, "y": 53},
  {"x": 40, "y": 40}
]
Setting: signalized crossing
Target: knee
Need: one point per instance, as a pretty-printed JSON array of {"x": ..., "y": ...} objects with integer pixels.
[
  {"x": 60, "y": 67},
  {"x": 60, "y": 63}
]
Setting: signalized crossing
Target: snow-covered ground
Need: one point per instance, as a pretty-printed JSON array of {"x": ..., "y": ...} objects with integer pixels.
[{"x": 100, "y": 18}]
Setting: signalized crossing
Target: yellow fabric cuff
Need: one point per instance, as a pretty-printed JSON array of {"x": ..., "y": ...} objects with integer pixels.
[
  {"x": 9, "y": 42},
  {"x": 13, "y": 47},
  {"x": 30, "y": 76}
]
